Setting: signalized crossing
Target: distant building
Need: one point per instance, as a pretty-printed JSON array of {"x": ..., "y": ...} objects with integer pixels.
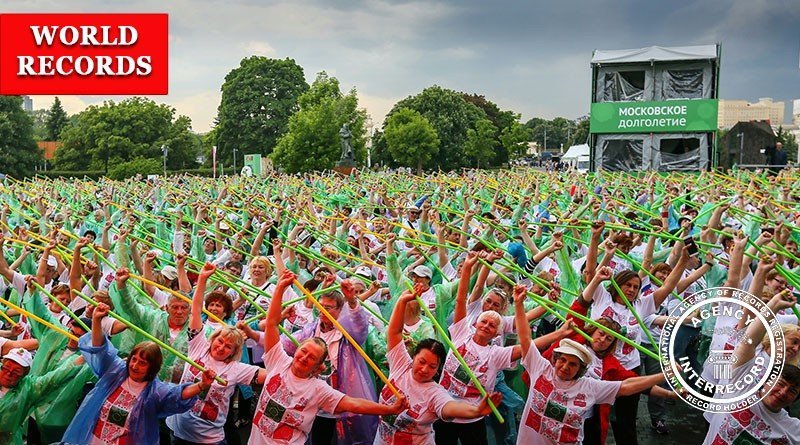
[
  {"x": 27, "y": 103},
  {"x": 734, "y": 111},
  {"x": 796, "y": 112},
  {"x": 746, "y": 144},
  {"x": 49, "y": 148}
]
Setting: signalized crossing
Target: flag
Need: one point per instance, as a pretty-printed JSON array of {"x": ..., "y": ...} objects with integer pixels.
[{"x": 214, "y": 160}]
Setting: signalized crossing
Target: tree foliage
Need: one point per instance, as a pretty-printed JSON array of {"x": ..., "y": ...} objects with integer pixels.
[
  {"x": 103, "y": 136},
  {"x": 39, "y": 118},
  {"x": 57, "y": 119},
  {"x": 481, "y": 142},
  {"x": 515, "y": 139},
  {"x": 451, "y": 116},
  {"x": 410, "y": 138},
  {"x": 312, "y": 140},
  {"x": 18, "y": 151},
  {"x": 559, "y": 131},
  {"x": 502, "y": 120},
  {"x": 789, "y": 143},
  {"x": 140, "y": 166},
  {"x": 258, "y": 98}
]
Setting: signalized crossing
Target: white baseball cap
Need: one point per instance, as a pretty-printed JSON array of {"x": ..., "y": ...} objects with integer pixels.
[
  {"x": 51, "y": 261},
  {"x": 169, "y": 272},
  {"x": 224, "y": 226},
  {"x": 423, "y": 271},
  {"x": 21, "y": 356},
  {"x": 571, "y": 347}
]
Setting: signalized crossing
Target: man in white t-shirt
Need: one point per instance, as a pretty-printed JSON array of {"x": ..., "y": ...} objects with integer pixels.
[{"x": 766, "y": 422}]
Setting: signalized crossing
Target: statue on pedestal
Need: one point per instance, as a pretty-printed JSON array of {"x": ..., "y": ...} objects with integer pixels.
[{"x": 348, "y": 157}]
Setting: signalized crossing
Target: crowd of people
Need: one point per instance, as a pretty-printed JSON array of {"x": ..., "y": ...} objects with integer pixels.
[{"x": 482, "y": 307}]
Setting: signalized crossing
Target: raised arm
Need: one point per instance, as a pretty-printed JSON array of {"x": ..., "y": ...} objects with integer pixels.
[
  {"x": 463, "y": 287},
  {"x": 196, "y": 320},
  {"x": 394, "y": 332},
  {"x": 272, "y": 335},
  {"x": 746, "y": 349},
  {"x": 100, "y": 312},
  {"x": 183, "y": 279},
  {"x": 76, "y": 269},
  {"x": 594, "y": 242},
  {"x": 148, "y": 273},
  {"x": 523, "y": 328},
  {"x": 672, "y": 279},
  {"x": 604, "y": 273},
  {"x": 7, "y": 273}
]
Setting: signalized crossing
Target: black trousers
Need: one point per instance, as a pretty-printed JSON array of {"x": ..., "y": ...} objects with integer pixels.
[
  {"x": 449, "y": 433},
  {"x": 624, "y": 424},
  {"x": 323, "y": 431}
]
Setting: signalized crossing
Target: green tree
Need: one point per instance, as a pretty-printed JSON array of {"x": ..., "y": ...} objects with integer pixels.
[
  {"x": 480, "y": 142},
  {"x": 789, "y": 143},
  {"x": 57, "y": 119},
  {"x": 140, "y": 166},
  {"x": 502, "y": 120},
  {"x": 19, "y": 153},
  {"x": 39, "y": 118},
  {"x": 515, "y": 139},
  {"x": 258, "y": 98},
  {"x": 312, "y": 140},
  {"x": 580, "y": 134},
  {"x": 103, "y": 136},
  {"x": 451, "y": 116},
  {"x": 410, "y": 138}
]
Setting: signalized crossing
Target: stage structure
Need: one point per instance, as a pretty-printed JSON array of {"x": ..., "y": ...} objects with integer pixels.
[{"x": 654, "y": 108}]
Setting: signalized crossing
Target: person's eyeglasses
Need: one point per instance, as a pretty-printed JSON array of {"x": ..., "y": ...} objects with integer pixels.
[{"x": 330, "y": 308}]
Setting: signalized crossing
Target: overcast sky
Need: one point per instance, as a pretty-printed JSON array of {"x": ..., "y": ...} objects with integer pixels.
[{"x": 531, "y": 56}]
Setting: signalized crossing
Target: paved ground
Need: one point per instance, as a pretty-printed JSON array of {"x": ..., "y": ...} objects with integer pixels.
[{"x": 685, "y": 424}]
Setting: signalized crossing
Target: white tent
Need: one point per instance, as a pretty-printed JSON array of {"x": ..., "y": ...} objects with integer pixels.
[
  {"x": 575, "y": 152},
  {"x": 655, "y": 53}
]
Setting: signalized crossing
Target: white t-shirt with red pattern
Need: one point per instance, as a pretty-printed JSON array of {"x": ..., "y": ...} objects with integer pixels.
[
  {"x": 604, "y": 306},
  {"x": 112, "y": 425},
  {"x": 204, "y": 422},
  {"x": 288, "y": 404},
  {"x": 754, "y": 425},
  {"x": 556, "y": 409},
  {"x": 484, "y": 361},
  {"x": 426, "y": 401}
]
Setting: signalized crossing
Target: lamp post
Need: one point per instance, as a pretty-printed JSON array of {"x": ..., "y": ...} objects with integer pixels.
[
  {"x": 234, "y": 160},
  {"x": 164, "y": 150}
]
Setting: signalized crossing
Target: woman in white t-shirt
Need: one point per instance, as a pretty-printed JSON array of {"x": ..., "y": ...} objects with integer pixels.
[
  {"x": 413, "y": 375},
  {"x": 128, "y": 399},
  {"x": 221, "y": 352},
  {"x": 485, "y": 359},
  {"x": 561, "y": 398},
  {"x": 292, "y": 394},
  {"x": 610, "y": 303},
  {"x": 767, "y": 421}
]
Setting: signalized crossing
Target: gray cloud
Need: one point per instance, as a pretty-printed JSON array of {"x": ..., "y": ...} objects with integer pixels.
[{"x": 528, "y": 56}]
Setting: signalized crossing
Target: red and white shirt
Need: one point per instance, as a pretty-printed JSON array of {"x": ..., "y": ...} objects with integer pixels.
[
  {"x": 112, "y": 425},
  {"x": 288, "y": 404},
  {"x": 426, "y": 401},
  {"x": 556, "y": 409},
  {"x": 484, "y": 361}
]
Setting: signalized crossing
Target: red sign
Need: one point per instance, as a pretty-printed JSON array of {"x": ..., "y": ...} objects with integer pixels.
[{"x": 78, "y": 54}]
